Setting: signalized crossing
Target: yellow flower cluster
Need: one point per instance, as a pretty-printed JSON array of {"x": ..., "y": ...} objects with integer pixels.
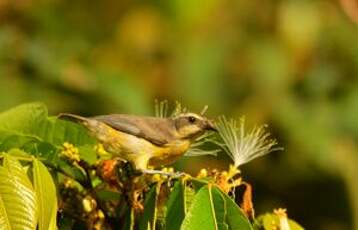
[
  {"x": 89, "y": 204},
  {"x": 100, "y": 151},
  {"x": 202, "y": 173},
  {"x": 226, "y": 180},
  {"x": 93, "y": 213},
  {"x": 161, "y": 177},
  {"x": 70, "y": 152}
]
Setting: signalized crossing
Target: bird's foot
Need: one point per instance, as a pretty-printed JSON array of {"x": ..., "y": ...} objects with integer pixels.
[{"x": 164, "y": 173}]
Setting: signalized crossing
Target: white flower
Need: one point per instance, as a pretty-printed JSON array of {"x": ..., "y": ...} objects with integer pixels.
[{"x": 244, "y": 146}]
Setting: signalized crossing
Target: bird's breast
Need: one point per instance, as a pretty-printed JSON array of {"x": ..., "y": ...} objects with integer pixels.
[{"x": 169, "y": 153}]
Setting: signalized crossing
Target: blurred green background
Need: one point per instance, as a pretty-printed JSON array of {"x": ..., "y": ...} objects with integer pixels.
[{"x": 290, "y": 64}]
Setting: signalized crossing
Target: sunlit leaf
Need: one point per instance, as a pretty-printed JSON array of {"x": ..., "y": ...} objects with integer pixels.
[
  {"x": 17, "y": 197},
  {"x": 28, "y": 127},
  {"x": 19, "y": 154},
  {"x": 28, "y": 123},
  {"x": 46, "y": 196}
]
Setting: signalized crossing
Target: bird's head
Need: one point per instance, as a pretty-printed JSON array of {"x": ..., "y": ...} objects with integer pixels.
[{"x": 191, "y": 125}]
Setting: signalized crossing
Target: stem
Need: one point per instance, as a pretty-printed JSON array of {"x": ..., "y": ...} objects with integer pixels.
[{"x": 132, "y": 219}]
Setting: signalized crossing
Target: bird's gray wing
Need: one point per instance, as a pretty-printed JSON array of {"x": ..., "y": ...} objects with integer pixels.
[{"x": 155, "y": 130}]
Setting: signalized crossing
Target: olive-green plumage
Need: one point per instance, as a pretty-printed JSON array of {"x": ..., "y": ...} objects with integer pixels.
[{"x": 141, "y": 139}]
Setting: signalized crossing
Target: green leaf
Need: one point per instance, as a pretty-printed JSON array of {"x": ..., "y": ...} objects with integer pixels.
[
  {"x": 10, "y": 140},
  {"x": 46, "y": 196},
  {"x": 88, "y": 153},
  {"x": 150, "y": 210},
  {"x": 189, "y": 197},
  {"x": 235, "y": 218},
  {"x": 28, "y": 127},
  {"x": 268, "y": 221},
  {"x": 19, "y": 154},
  {"x": 24, "y": 119},
  {"x": 176, "y": 206},
  {"x": 29, "y": 123},
  {"x": 200, "y": 215},
  {"x": 220, "y": 208},
  {"x": 57, "y": 132},
  {"x": 212, "y": 209},
  {"x": 18, "y": 205},
  {"x": 4, "y": 221}
]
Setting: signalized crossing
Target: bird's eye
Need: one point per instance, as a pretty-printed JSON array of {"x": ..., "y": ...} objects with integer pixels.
[{"x": 191, "y": 119}]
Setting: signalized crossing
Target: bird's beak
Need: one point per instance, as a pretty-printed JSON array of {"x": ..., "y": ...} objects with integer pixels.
[{"x": 211, "y": 126}]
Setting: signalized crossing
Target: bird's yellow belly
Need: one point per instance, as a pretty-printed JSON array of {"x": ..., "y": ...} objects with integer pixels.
[
  {"x": 170, "y": 153},
  {"x": 138, "y": 150},
  {"x": 128, "y": 146}
]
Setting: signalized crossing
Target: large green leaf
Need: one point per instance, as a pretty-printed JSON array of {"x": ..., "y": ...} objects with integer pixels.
[
  {"x": 46, "y": 196},
  {"x": 18, "y": 154},
  {"x": 57, "y": 132},
  {"x": 18, "y": 205},
  {"x": 212, "y": 209},
  {"x": 176, "y": 206},
  {"x": 29, "y": 123},
  {"x": 4, "y": 219},
  {"x": 28, "y": 127},
  {"x": 10, "y": 140}
]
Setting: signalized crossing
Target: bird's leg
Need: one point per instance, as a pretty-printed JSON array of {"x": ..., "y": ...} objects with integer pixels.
[
  {"x": 141, "y": 164},
  {"x": 169, "y": 174}
]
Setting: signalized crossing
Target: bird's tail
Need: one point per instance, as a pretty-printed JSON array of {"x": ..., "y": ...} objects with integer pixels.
[{"x": 72, "y": 117}]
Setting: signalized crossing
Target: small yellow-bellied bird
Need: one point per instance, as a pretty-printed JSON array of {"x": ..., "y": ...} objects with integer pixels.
[{"x": 143, "y": 140}]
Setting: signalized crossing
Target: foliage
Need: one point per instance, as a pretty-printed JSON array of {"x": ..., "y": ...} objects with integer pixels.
[
  {"x": 102, "y": 193},
  {"x": 292, "y": 64}
]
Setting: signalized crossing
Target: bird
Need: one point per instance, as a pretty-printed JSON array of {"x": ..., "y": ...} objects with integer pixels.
[{"x": 145, "y": 140}]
